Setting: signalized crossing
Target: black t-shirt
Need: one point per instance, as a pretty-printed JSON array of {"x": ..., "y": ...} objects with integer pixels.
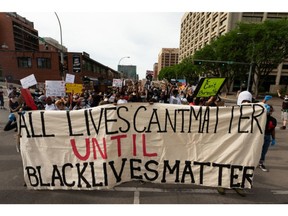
[{"x": 270, "y": 125}]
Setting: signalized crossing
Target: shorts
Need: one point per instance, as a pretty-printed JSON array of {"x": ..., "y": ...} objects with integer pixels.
[{"x": 284, "y": 115}]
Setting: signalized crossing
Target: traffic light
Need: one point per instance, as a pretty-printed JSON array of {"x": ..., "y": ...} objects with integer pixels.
[
  {"x": 223, "y": 64},
  {"x": 197, "y": 62}
]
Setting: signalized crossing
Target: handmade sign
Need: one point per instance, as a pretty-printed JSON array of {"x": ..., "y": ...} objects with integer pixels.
[
  {"x": 101, "y": 147},
  {"x": 209, "y": 87}
]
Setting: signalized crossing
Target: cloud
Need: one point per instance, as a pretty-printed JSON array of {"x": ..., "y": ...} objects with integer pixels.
[{"x": 108, "y": 36}]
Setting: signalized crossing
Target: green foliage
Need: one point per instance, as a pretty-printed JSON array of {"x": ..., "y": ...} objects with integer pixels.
[
  {"x": 184, "y": 70},
  {"x": 263, "y": 44}
]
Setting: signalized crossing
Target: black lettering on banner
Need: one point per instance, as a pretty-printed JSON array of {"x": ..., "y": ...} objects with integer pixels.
[
  {"x": 217, "y": 119},
  {"x": 105, "y": 174},
  {"x": 70, "y": 125},
  {"x": 43, "y": 126},
  {"x": 148, "y": 168},
  {"x": 107, "y": 120},
  {"x": 167, "y": 117},
  {"x": 176, "y": 168},
  {"x": 87, "y": 122},
  {"x": 99, "y": 122},
  {"x": 241, "y": 117},
  {"x": 31, "y": 172},
  {"x": 21, "y": 114},
  {"x": 206, "y": 119},
  {"x": 231, "y": 119},
  {"x": 40, "y": 177},
  {"x": 247, "y": 176},
  {"x": 64, "y": 174},
  {"x": 220, "y": 173},
  {"x": 182, "y": 119},
  {"x": 80, "y": 175},
  {"x": 94, "y": 183},
  {"x": 199, "y": 115},
  {"x": 118, "y": 176},
  {"x": 202, "y": 164},
  {"x": 154, "y": 113},
  {"x": 235, "y": 168},
  {"x": 133, "y": 168},
  {"x": 255, "y": 117},
  {"x": 187, "y": 170},
  {"x": 135, "y": 122},
  {"x": 120, "y": 117},
  {"x": 31, "y": 125},
  {"x": 56, "y": 175}
]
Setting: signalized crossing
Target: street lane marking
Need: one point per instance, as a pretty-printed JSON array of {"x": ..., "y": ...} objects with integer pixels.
[
  {"x": 280, "y": 192},
  {"x": 136, "y": 197}
]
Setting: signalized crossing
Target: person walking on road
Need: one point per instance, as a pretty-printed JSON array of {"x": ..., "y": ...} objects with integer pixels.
[
  {"x": 284, "y": 110},
  {"x": 271, "y": 124}
]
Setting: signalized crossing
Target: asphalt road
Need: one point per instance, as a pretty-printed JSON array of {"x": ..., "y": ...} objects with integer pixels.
[{"x": 268, "y": 187}]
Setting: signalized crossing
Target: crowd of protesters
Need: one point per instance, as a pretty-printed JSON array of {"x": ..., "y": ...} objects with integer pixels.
[{"x": 170, "y": 93}]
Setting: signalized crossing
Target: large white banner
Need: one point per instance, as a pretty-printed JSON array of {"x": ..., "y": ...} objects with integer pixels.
[{"x": 102, "y": 147}]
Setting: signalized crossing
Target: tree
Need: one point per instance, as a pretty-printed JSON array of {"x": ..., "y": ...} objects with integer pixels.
[
  {"x": 266, "y": 47},
  {"x": 223, "y": 58},
  {"x": 167, "y": 73}
]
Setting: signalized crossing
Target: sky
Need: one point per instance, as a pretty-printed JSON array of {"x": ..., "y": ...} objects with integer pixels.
[
  {"x": 108, "y": 36},
  {"x": 112, "y": 29}
]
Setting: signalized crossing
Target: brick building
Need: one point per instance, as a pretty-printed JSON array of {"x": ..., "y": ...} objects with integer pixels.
[{"x": 23, "y": 52}]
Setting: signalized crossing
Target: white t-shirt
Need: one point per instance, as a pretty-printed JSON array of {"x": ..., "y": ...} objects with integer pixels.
[{"x": 50, "y": 107}]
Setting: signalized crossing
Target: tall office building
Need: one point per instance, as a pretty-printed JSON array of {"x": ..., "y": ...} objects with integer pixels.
[
  {"x": 23, "y": 52},
  {"x": 17, "y": 33},
  {"x": 199, "y": 28},
  {"x": 167, "y": 57},
  {"x": 129, "y": 71}
]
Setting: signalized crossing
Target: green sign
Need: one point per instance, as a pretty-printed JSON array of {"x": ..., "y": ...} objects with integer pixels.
[{"x": 209, "y": 87}]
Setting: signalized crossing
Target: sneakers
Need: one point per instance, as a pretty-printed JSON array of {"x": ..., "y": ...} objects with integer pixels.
[
  {"x": 240, "y": 192},
  {"x": 263, "y": 168},
  {"x": 283, "y": 127},
  {"x": 221, "y": 190}
]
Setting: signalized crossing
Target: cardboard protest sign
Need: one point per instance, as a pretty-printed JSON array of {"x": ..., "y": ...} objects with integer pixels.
[
  {"x": 69, "y": 78},
  {"x": 28, "y": 81},
  {"x": 117, "y": 83},
  {"x": 55, "y": 88},
  {"x": 73, "y": 87},
  {"x": 101, "y": 147},
  {"x": 209, "y": 87}
]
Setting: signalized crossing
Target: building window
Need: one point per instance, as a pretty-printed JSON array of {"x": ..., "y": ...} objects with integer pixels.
[
  {"x": 44, "y": 63},
  {"x": 24, "y": 62}
]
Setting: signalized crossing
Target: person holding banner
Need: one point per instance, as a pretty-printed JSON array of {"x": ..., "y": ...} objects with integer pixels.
[
  {"x": 243, "y": 97},
  {"x": 49, "y": 104},
  {"x": 269, "y": 132}
]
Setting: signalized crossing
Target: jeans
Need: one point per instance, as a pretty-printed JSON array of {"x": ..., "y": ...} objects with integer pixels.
[{"x": 266, "y": 144}]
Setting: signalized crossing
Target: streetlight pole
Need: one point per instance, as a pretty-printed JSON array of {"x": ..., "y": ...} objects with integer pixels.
[
  {"x": 61, "y": 53},
  {"x": 121, "y": 59},
  {"x": 251, "y": 66},
  {"x": 120, "y": 62}
]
